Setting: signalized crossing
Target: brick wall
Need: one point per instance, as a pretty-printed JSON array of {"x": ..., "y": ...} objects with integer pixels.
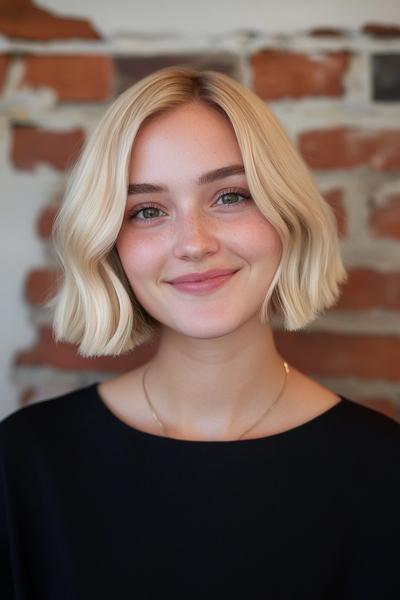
[{"x": 338, "y": 94}]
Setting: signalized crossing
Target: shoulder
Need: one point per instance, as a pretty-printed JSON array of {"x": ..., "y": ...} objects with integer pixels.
[
  {"x": 369, "y": 448},
  {"x": 367, "y": 425},
  {"x": 45, "y": 418},
  {"x": 345, "y": 423}
]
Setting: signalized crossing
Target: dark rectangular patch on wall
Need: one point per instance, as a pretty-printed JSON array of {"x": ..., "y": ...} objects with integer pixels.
[{"x": 386, "y": 77}]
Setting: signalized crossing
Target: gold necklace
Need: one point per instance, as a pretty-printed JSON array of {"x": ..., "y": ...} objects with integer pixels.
[{"x": 158, "y": 420}]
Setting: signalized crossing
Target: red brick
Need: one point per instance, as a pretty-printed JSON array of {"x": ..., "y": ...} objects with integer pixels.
[
  {"x": 4, "y": 62},
  {"x": 368, "y": 289},
  {"x": 335, "y": 355},
  {"x": 45, "y": 352},
  {"x": 80, "y": 78},
  {"x": 381, "y": 31},
  {"x": 342, "y": 148},
  {"x": 20, "y": 19},
  {"x": 382, "y": 405},
  {"x": 46, "y": 221},
  {"x": 385, "y": 220},
  {"x": 26, "y": 396},
  {"x": 326, "y": 31},
  {"x": 41, "y": 286},
  {"x": 288, "y": 74},
  {"x": 32, "y": 146},
  {"x": 334, "y": 198}
]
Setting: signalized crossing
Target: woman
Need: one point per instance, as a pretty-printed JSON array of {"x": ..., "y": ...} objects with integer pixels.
[{"x": 214, "y": 470}]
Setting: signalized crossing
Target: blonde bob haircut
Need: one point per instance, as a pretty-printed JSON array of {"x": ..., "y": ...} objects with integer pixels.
[{"x": 95, "y": 306}]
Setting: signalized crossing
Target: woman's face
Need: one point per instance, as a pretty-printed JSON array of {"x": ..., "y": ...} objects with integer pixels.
[{"x": 191, "y": 226}]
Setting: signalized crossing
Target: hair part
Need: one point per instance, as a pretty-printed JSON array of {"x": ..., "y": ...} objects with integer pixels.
[{"x": 95, "y": 306}]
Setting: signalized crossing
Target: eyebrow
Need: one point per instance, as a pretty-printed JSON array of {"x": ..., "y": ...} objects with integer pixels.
[{"x": 221, "y": 173}]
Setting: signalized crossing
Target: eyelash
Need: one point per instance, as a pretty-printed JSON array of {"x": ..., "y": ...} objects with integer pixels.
[{"x": 138, "y": 209}]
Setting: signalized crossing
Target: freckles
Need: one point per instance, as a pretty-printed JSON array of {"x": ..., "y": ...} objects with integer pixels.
[
  {"x": 267, "y": 229},
  {"x": 139, "y": 254},
  {"x": 258, "y": 233}
]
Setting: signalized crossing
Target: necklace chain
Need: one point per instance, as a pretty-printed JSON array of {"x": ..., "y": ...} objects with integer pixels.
[{"x": 160, "y": 423}]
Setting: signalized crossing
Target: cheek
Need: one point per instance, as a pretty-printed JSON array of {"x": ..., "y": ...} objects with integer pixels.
[
  {"x": 138, "y": 256},
  {"x": 259, "y": 240}
]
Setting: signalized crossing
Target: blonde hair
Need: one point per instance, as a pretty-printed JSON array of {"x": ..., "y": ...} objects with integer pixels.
[{"x": 94, "y": 305}]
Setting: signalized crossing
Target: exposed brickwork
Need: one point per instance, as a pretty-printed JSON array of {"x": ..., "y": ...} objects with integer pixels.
[
  {"x": 385, "y": 220},
  {"x": 46, "y": 221},
  {"x": 336, "y": 355},
  {"x": 326, "y": 32},
  {"x": 334, "y": 198},
  {"x": 73, "y": 78},
  {"x": 287, "y": 74},
  {"x": 21, "y": 19},
  {"x": 41, "y": 286},
  {"x": 381, "y": 31},
  {"x": 32, "y": 146},
  {"x": 4, "y": 62},
  {"x": 26, "y": 396},
  {"x": 368, "y": 289},
  {"x": 45, "y": 352},
  {"x": 344, "y": 148}
]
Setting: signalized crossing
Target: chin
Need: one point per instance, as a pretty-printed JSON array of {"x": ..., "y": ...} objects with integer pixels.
[{"x": 205, "y": 330}]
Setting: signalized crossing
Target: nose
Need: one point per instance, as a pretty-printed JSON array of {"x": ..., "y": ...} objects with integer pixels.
[{"x": 195, "y": 237}]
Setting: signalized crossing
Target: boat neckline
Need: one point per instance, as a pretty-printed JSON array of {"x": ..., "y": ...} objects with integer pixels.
[{"x": 292, "y": 432}]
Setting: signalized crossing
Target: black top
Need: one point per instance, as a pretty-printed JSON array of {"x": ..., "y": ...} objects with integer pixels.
[{"x": 92, "y": 508}]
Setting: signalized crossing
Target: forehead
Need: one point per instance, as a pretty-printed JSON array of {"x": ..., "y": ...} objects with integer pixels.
[{"x": 193, "y": 137}]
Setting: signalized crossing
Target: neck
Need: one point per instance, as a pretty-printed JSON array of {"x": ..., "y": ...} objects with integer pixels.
[{"x": 214, "y": 388}]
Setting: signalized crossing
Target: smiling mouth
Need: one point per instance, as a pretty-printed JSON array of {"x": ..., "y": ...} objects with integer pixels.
[
  {"x": 203, "y": 286},
  {"x": 195, "y": 277}
]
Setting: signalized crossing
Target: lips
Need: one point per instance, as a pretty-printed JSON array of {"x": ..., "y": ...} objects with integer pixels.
[{"x": 192, "y": 277}]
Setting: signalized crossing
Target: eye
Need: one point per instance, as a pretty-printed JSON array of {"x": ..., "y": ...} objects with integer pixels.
[
  {"x": 149, "y": 209},
  {"x": 232, "y": 194}
]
